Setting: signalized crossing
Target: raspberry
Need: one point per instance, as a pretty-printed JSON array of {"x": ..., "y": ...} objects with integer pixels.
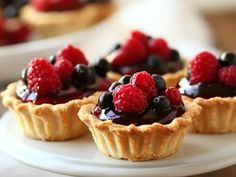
[
  {"x": 204, "y": 68},
  {"x": 173, "y": 95},
  {"x": 145, "y": 82},
  {"x": 73, "y": 54},
  {"x": 133, "y": 51},
  {"x": 140, "y": 36},
  {"x": 42, "y": 78},
  {"x": 227, "y": 75},
  {"x": 64, "y": 69},
  {"x": 52, "y": 5},
  {"x": 159, "y": 47},
  {"x": 130, "y": 99},
  {"x": 2, "y": 23}
]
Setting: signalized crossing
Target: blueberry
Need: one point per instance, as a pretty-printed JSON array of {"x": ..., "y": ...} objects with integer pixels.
[
  {"x": 24, "y": 75},
  {"x": 52, "y": 59},
  {"x": 105, "y": 100},
  {"x": 174, "y": 55},
  {"x": 113, "y": 86},
  {"x": 83, "y": 76},
  {"x": 102, "y": 67},
  {"x": 227, "y": 59},
  {"x": 10, "y": 11},
  {"x": 159, "y": 81},
  {"x": 161, "y": 104},
  {"x": 155, "y": 65},
  {"x": 125, "y": 79}
]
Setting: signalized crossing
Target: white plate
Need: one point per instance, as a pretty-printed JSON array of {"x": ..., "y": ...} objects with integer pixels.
[{"x": 199, "y": 154}]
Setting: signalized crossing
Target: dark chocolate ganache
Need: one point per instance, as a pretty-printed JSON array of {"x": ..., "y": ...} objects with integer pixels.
[
  {"x": 205, "y": 90},
  {"x": 148, "y": 117}
]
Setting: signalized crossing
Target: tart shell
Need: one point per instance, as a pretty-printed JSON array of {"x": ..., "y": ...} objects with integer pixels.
[
  {"x": 138, "y": 143},
  {"x": 218, "y": 115},
  {"x": 49, "y": 24},
  {"x": 46, "y": 121}
]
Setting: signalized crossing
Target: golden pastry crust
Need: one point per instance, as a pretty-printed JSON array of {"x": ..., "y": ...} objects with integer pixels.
[
  {"x": 218, "y": 115},
  {"x": 138, "y": 143},
  {"x": 49, "y": 24},
  {"x": 46, "y": 121}
]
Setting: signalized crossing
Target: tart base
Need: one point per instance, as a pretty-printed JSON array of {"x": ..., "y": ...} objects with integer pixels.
[
  {"x": 46, "y": 121},
  {"x": 138, "y": 143},
  {"x": 218, "y": 115},
  {"x": 49, "y": 24}
]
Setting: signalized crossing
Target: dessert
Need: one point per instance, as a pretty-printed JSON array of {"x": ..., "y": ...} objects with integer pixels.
[
  {"x": 139, "y": 119},
  {"x": 12, "y": 30},
  {"x": 47, "y": 98},
  {"x": 211, "y": 83},
  {"x": 52, "y": 18},
  {"x": 141, "y": 52}
]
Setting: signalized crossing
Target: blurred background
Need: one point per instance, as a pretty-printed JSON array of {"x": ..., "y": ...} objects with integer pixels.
[{"x": 188, "y": 25}]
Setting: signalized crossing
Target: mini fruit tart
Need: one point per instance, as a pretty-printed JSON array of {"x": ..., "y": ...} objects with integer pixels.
[
  {"x": 47, "y": 98},
  {"x": 52, "y": 18},
  {"x": 139, "y": 118},
  {"x": 141, "y": 52},
  {"x": 211, "y": 83}
]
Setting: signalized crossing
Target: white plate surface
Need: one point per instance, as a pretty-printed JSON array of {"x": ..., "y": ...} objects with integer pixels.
[{"x": 199, "y": 154}]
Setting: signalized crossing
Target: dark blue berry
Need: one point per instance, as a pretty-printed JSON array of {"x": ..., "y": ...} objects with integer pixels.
[
  {"x": 227, "y": 59},
  {"x": 161, "y": 104},
  {"x": 24, "y": 75},
  {"x": 174, "y": 55},
  {"x": 155, "y": 65},
  {"x": 102, "y": 67},
  {"x": 83, "y": 76},
  {"x": 125, "y": 79},
  {"x": 105, "y": 100},
  {"x": 113, "y": 86},
  {"x": 52, "y": 59},
  {"x": 160, "y": 82}
]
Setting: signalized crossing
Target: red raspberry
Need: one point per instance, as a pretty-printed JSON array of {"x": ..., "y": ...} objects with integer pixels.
[
  {"x": 2, "y": 24},
  {"x": 227, "y": 75},
  {"x": 130, "y": 99},
  {"x": 52, "y": 5},
  {"x": 133, "y": 51},
  {"x": 145, "y": 82},
  {"x": 42, "y": 78},
  {"x": 73, "y": 54},
  {"x": 173, "y": 95},
  {"x": 204, "y": 68},
  {"x": 140, "y": 36},
  {"x": 64, "y": 69},
  {"x": 16, "y": 32},
  {"x": 159, "y": 46}
]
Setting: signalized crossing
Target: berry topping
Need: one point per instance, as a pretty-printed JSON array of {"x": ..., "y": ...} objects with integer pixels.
[
  {"x": 160, "y": 82},
  {"x": 24, "y": 76},
  {"x": 174, "y": 55},
  {"x": 105, "y": 100},
  {"x": 159, "y": 46},
  {"x": 173, "y": 95},
  {"x": 102, "y": 67},
  {"x": 73, "y": 54},
  {"x": 227, "y": 59},
  {"x": 52, "y": 59},
  {"x": 130, "y": 99},
  {"x": 204, "y": 68},
  {"x": 227, "y": 75},
  {"x": 42, "y": 78},
  {"x": 140, "y": 36},
  {"x": 82, "y": 76},
  {"x": 64, "y": 69},
  {"x": 125, "y": 79},
  {"x": 161, "y": 103},
  {"x": 145, "y": 82},
  {"x": 52, "y": 5},
  {"x": 155, "y": 63},
  {"x": 113, "y": 86},
  {"x": 131, "y": 52}
]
